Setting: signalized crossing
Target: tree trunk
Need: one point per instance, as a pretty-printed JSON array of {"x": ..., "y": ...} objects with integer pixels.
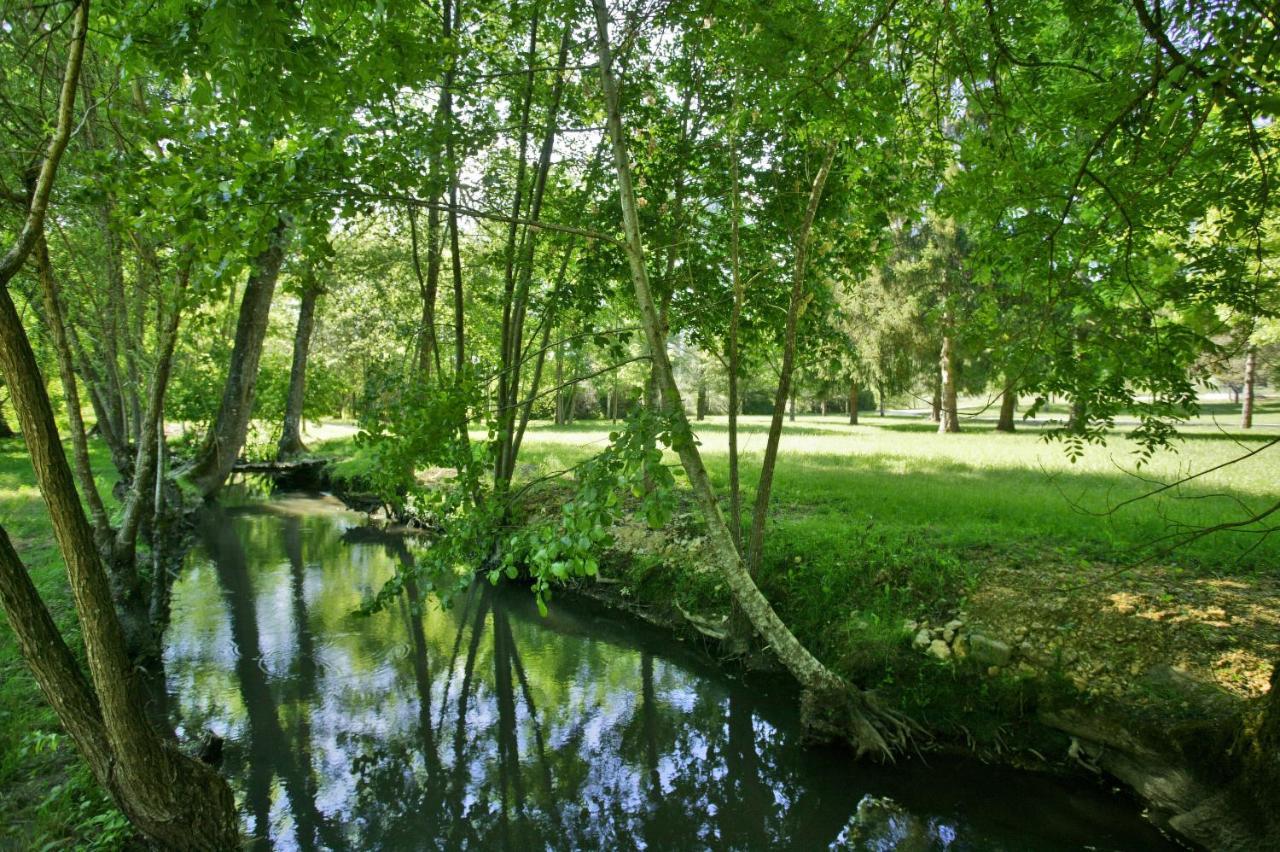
[
  {"x": 935, "y": 405},
  {"x": 735, "y": 323},
  {"x": 946, "y": 362},
  {"x": 834, "y": 708},
  {"x": 1079, "y": 418},
  {"x": 853, "y": 402},
  {"x": 428, "y": 285},
  {"x": 1250, "y": 374},
  {"x": 700, "y": 407},
  {"x": 1008, "y": 406},
  {"x": 560, "y": 384},
  {"x": 795, "y": 306},
  {"x": 6, "y": 431},
  {"x": 51, "y": 661},
  {"x": 291, "y": 435},
  {"x": 217, "y": 455}
]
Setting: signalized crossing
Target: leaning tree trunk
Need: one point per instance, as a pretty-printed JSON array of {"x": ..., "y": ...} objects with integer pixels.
[
  {"x": 950, "y": 421},
  {"x": 173, "y": 800},
  {"x": 217, "y": 455},
  {"x": 835, "y": 708},
  {"x": 1008, "y": 406},
  {"x": 291, "y": 435},
  {"x": 853, "y": 402},
  {"x": 1250, "y": 374}
]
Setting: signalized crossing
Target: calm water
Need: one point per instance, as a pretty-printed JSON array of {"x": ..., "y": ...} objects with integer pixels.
[{"x": 485, "y": 726}]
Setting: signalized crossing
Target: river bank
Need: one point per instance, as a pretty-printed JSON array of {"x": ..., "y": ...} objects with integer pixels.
[{"x": 1122, "y": 681}]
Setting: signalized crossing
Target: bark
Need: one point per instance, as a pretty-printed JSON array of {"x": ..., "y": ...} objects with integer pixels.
[
  {"x": 947, "y": 371},
  {"x": 1250, "y": 374},
  {"x": 853, "y": 402},
  {"x": 217, "y": 455},
  {"x": 548, "y": 321},
  {"x": 70, "y": 388},
  {"x": 560, "y": 385},
  {"x": 6, "y": 431},
  {"x": 1008, "y": 406},
  {"x": 51, "y": 661},
  {"x": 172, "y": 799},
  {"x": 428, "y": 285},
  {"x": 791, "y": 411},
  {"x": 935, "y": 406},
  {"x": 700, "y": 407},
  {"x": 735, "y": 324},
  {"x": 452, "y": 15},
  {"x": 1079, "y": 418},
  {"x": 291, "y": 433},
  {"x": 837, "y": 709},
  {"x": 151, "y": 441},
  {"x": 796, "y": 305}
]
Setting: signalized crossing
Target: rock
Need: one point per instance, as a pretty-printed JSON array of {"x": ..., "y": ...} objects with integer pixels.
[
  {"x": 987, "y": 651},
  {"x": 937, "y": 632},
  {"x": 948, "y": 634},
  {"x": 1026, "y": 671},
  {"x": 910, "y": 626},
  {"x": 922, "y": 639},
  {"x": 955, "y": 625},
  {"x": 939, "y": 649},
  {"x": 960, "y": 647},
  {"x": 992, "y": 671}
]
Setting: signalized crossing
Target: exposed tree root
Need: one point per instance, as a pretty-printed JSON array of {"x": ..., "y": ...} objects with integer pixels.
[{"x": 840, "y": 712}]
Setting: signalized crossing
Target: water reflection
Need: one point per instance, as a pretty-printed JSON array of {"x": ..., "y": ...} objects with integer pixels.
[{"x": 487, "y": 726}]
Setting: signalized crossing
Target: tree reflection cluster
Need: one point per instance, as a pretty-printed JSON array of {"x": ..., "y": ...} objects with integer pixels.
[{"x": 481, "y": 725}]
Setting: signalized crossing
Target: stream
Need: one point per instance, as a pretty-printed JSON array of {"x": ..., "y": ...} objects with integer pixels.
[{"x": 485, "y": 726}]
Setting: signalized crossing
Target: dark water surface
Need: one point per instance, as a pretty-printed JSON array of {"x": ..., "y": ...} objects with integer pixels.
[{"x": 485, "y": 726}]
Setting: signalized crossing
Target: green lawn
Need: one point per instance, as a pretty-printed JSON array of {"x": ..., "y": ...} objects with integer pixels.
[{"x": 982, "y": 487}]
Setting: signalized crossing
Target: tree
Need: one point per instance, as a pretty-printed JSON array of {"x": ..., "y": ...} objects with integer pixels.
[{"x": 173, "y": 799}]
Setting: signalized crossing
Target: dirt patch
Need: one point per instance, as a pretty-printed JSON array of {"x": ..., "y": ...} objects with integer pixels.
[{"x": 1199, "y": 646}]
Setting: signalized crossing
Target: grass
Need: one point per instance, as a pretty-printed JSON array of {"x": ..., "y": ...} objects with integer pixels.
[
  {"x": 982, "y": 488},
  {"x": 48, "y": 799}
]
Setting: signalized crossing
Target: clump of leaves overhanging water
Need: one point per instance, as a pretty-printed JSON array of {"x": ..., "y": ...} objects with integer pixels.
[{"x": 475, "y": 525}]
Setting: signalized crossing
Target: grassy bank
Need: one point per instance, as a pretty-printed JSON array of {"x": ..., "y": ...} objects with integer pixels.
[
  {"x": 48, "y": 800},
  {"x": 888, "y": 523}
]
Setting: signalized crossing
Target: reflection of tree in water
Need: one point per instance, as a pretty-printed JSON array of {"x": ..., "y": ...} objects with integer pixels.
[
  {"x": 270, "y": 756},
  {"x": 484, "y": 725},
  {"x": 586, "y": 743}
]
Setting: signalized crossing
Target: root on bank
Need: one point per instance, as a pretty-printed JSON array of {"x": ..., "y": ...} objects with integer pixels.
[{"x": 840, "y": 712}]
